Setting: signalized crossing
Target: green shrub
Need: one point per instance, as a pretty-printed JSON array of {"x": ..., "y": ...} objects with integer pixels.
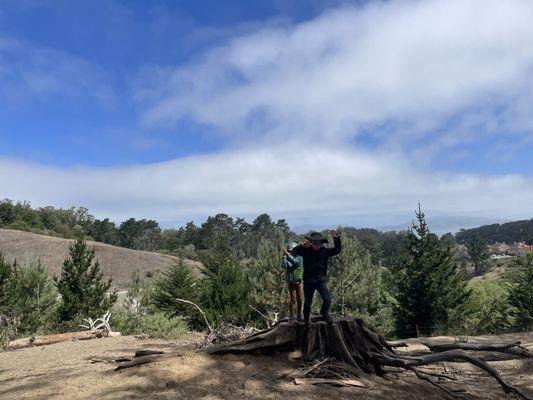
[
  {"x": 156, "y": 325},
  {"x": 486, "y": 311},
  {"x": 31, "y": 298},
  {"x": 520, "y": 281}
]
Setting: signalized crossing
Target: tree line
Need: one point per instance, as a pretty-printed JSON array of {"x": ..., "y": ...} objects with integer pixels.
[
  {"x": 422, "y": 291},
  {"x": 510, "y": 232}
]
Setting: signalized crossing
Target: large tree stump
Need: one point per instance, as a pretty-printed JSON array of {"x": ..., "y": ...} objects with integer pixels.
[{"x": 350, "y": 341}]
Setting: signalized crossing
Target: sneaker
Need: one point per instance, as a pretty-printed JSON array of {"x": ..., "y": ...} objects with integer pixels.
[
  {"x": 328, "y": 318},
  {"x": 292, "y": 318}
]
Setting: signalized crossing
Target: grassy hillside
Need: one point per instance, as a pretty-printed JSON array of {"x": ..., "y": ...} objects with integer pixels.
[{"x": 116, "y": 262}]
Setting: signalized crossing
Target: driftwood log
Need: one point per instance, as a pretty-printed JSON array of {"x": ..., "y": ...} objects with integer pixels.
[
  {"x": 60, "y": 337},
  {"x": 350, "y": 341}
]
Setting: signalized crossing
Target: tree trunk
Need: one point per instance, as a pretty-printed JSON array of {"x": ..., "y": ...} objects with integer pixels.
[{"x": 350, "y": 341}]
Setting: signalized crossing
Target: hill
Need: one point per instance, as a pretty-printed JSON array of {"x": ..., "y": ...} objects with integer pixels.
[
  {"x": 116, "y": 262},
  {"x": 510, "y": 232}
]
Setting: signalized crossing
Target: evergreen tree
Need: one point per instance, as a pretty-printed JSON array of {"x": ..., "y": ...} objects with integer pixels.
[
  {"x": 267, "y": 277},
  {"x": 358, "y": 287},
  {"x": 429, "y": 284},
  {"x": 521, "y": 292},
  {"x": 226, "y": 291},
  {"x": 32, "y": 297},
  {"x": 84, "y": 292},
  {"x": 178, "y": 282},
  {"x": 479, "y": 255}
]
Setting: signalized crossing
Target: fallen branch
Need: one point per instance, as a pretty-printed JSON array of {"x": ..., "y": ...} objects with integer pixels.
[
  {"x": 210, "y": 329},
  {"x": 332, "y": 382},
  {"x": 509, "y": 348},
  {"x": 145, "y": 360},
  {"x": 61, "y": 337}
]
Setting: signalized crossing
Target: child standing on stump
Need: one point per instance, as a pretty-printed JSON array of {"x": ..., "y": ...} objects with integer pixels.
[
  {"x": 293, "y": 267},
  {"x": 315, "y": 257}
]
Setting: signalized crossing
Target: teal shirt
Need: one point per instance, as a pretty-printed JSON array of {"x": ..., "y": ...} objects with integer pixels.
[{"x": 294, "y": 268}]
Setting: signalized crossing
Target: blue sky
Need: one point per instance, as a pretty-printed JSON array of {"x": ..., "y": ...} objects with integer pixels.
[
  {"x": 120, "y": 38},
  {"x": 317, "y": 111}
]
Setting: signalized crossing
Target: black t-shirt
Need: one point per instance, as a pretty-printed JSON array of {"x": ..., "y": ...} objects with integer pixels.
[{"x": 316, "y": 262}]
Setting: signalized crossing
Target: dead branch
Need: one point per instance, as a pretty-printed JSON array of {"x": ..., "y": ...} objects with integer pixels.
[{"x": 200, "y": 310}]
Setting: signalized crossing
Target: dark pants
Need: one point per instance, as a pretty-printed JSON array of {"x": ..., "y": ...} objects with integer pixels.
[{"x": 309, "y": 291}]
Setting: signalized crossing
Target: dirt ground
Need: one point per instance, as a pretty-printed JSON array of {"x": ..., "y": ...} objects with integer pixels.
[{"x": 65, "y": 371}]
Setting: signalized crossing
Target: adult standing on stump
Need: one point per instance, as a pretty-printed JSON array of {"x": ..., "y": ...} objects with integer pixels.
[{"x": 315, "y": 257}]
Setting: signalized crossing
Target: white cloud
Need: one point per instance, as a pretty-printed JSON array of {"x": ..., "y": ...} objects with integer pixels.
[
  {"x": 397, "y": 70},
  {"x": 414, "y": 62},
  {"x": 309, "y": 184},
  {"x": 30, "y": 71}
]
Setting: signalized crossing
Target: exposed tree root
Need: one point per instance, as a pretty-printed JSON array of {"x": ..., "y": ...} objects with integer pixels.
[{"x": 350, "y": 341}]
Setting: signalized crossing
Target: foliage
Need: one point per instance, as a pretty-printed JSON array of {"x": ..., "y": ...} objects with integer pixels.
[
  {"x": 510, "y": 232},
  {"x": 140, "y": 234},
  {"x": 138, "y": 297},
  {"x": 479, "y": 255},
  {"x": 266, "y": 275},
  {"x": 84, "y": 293},
  {"x": 5, "y": 273},
  {"x": 32, "y": 298},
  {"x": 520, "y": 280},
  {"x": 486, "y": 311},
  {"x": 8, "y": 329},
  {"x": 226, "y": 291},
  {"x": 429, "y": 284},
  {"x": 358, "y": 287},
  {"x": 178, "y": 282},
  {"x": 155, "y": 325}
]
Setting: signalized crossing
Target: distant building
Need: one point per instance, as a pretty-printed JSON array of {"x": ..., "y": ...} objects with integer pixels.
[
  {"x": 499, "y": 248},
  {"x": 519, "y": 249}
]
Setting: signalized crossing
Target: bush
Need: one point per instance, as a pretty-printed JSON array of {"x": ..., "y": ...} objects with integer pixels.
[
  {"x": 30, "y": 298},
  {"x": 487, "y": 310},
  {"x": 156, "y": 325}
]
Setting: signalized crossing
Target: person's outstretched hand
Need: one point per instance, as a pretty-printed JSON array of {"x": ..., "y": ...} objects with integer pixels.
[{"x": 335, "y": 233}]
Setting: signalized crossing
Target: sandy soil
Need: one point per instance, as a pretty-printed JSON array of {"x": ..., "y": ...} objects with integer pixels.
[{"x": 64, "y": 371}]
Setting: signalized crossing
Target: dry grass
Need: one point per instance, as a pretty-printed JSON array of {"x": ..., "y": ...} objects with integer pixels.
[{"x": 116, "y": 262}]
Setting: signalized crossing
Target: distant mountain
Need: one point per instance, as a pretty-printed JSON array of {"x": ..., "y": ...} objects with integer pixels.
[
  {"x": 445, "y": 224},
  {"x": 438, "y": 225}
]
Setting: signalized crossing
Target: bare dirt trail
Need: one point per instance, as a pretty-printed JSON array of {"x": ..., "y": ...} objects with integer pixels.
[{"x": 64, "y": 371}]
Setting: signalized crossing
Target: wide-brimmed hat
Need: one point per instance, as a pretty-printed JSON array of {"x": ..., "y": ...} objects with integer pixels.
[{"x": 316, "y": 237}]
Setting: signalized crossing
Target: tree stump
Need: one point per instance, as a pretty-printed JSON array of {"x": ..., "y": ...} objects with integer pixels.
[{"x": 350, "y": 341}]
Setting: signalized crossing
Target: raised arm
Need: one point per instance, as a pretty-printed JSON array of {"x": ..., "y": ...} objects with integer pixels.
[{"x": 337, "y": 244}]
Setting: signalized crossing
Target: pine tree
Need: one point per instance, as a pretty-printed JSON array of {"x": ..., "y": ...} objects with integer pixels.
[
  {"x": 84, "y": 292},
  {"x": 479, "y": 255},
  {"x": 358, "y": 287},
  {"x": 269, "y": 294},
  {"x": 226, "y": 292},
  {"x": 521, "y": 292},
  {"x": 32, "y": 297},
  {"x": 178, "y": 282},
  {"x": 429, "y": 284}
]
